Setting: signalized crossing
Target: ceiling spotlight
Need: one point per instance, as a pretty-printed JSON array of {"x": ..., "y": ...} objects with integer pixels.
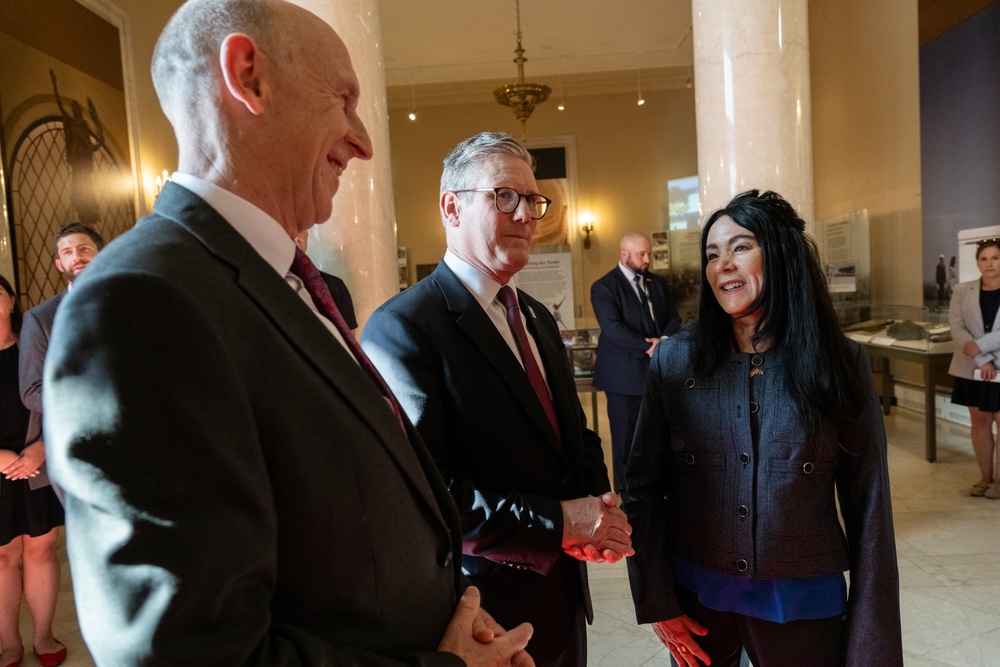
[
  {"x": 638, "y": 87},
  {"x": 562, "y": 104},
  {"x": 413, "y": 104}
]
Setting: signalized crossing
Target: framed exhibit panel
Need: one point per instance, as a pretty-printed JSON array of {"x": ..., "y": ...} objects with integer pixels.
[{"x": 68, "y": 146}]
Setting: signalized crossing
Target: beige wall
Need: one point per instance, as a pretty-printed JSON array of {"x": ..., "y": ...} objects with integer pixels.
[
  {"x": 625, "y": 155},
  {"x": 866, "y": 131},
  {"x": 157, "y": 146}
]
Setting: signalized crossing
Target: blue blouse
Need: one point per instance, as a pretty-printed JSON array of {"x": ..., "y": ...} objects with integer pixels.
[{"x": 778, "y": 600}]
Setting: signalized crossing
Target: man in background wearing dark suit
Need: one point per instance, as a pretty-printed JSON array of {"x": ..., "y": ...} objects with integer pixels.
[
  {"x": 76, "y": 244},
  {"x": 481, "y": 371},
  {"x": 240, "y": 487},
  {"x": 635, "y": 312}
]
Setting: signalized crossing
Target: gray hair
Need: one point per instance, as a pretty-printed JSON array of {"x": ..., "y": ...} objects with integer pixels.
[
  {"x": 185, "y": 58},
  {"x": 461, "y": 166}
]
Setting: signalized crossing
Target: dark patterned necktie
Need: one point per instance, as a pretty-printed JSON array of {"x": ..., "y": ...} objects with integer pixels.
[
  {"x": 509, "y": 300},
  {"x": 307, "y": 272},
  {"x": 643, "y": 301}
]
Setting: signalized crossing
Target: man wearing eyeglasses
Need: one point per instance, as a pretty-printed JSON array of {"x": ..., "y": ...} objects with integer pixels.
[{"x": 480, "y": 370}]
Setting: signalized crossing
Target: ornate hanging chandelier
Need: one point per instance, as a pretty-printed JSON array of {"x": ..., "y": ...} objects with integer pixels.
[{"x": 521, "y": 97}]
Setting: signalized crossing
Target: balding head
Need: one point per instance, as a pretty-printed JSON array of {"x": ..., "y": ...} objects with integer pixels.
[
  {"x": 185, "y": 67},
  {"x": 264, "y": 100},
  {"x": 634, "y": 251}
]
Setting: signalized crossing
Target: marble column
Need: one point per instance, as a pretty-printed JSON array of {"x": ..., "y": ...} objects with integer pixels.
[
  {"x": 752, "y": 100},
  {"x": 358, "y": 243}
]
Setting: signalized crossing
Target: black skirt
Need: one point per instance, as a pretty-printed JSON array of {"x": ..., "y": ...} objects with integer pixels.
[
  {"x": 27, "y": 512},
  {"x": 976, "y": 394}
]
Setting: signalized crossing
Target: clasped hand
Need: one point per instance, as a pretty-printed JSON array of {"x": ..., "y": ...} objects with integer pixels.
[
  {"x": 480, "y": 641},
  {"x": 596, "y": 529},
  {"x": 23, "y": 465}
]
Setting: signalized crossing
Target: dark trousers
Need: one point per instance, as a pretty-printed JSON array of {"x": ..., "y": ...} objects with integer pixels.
[
  {"x": 816, "y": 643},
  {"x": 552, "y": 603},
  {"x": 623, "y": 413}
]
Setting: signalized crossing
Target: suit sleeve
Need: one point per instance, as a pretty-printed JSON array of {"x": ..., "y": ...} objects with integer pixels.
[
  {"x": 611, "y": 319},
  {"x": 172, "y": 529},
  {"x": 34, "y": 343},
  {"x": 873, "y": 613},
  {"x": 501, "y": 525},
  {"x": 650, "y": 573}
]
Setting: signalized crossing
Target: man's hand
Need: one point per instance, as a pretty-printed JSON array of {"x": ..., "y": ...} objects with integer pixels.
[
  {"x": 653, "y": 342},
  {"x": 470, "y": 625},
  {"x": 676, "y": 635},
  {"x": 27, "y": 464},
  {"x": 595, "y": 529}
]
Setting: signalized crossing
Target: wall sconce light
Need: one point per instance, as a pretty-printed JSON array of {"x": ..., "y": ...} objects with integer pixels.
[
  {"x": 413, "y": 104},
  {"x": 586, "y": 226},
  {"x": 160, "y": 181}
]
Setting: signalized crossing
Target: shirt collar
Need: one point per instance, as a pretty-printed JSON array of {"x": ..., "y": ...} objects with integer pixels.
[
  {"x": 482, "y": 287},
  {"x": 261, "y": 231}
]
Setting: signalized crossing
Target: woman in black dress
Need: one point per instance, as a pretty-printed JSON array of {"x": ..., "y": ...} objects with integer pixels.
[
  {"x": 29, "y": 519},
  {"x": 975, "y": 328}
]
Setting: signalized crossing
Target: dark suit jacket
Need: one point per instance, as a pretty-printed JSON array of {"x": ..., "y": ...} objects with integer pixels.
[
  {"x": 342, "y": 297},
  {"x": 621, "y": 347},
  {"x": 34, "y": 343},
  {"x": 237, "y": 490},
  {"x": 470, "y": 399}
]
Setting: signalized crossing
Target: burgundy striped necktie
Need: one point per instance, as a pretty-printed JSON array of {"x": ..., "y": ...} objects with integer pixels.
[
  {"x": 509, "y": 300},
  {"x": 307, "y": 272}
]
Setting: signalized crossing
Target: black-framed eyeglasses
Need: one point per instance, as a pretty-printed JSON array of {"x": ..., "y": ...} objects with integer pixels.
[{"x": 508, "y": 199}]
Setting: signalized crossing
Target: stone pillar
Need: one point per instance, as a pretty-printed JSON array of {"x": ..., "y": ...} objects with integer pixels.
[
  {"x": 358, "y": 243},
  {"x": 752, "y": 100}
]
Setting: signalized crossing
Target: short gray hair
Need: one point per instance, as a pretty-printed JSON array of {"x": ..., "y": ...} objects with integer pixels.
[
  {"x": 462, "y": 164},
  {"x": 184, "y": 60}
]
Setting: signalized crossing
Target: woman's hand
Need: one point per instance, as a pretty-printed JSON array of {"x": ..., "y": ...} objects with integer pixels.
[
  {"x": 987, "y": 371},
  {"x": 7, "y": 456},
  {"x": 676, "y": 635},
  {"x": 27, "y": 464},
  {"x": 971, "y": 349}
]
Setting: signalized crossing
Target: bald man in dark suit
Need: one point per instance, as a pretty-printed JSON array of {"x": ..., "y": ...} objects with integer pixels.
[{"x": 238, "y": 488}]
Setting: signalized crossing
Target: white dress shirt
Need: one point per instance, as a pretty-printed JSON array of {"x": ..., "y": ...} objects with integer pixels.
[{"x": 264, "y": 234}]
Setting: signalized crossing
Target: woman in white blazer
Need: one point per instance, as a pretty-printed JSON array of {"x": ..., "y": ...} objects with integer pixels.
[{"x": 975, "y": 328}]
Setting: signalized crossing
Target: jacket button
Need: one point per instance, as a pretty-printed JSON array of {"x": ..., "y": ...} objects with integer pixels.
[
  {"x": 744, "y": 458},
  {"x": 689, "y": 459},
  {"x": 742, "y": 565},
  {"x": 744, "y": 511},
  {"x": 754, "y": 407},
  {"x": 756, "y": 360},
  {"x": 689, "y": 383},
  {"x": 807, "y": 468},
  {"x": 567, "y": 480}
]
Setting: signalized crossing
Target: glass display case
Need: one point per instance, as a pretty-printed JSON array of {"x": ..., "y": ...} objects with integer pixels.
[{"x": 581, "y": 350}]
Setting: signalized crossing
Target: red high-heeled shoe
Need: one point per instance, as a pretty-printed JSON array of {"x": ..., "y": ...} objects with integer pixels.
[{"x": 52, "y": 659}]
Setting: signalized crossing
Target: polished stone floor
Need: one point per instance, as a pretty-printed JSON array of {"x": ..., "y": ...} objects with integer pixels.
[{"x": 949, "y": 558}]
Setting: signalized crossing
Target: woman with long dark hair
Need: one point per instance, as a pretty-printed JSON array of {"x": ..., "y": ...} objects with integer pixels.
[{"x": 755, "y": 422}]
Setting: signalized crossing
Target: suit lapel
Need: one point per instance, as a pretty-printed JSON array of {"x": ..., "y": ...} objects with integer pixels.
[
  {"x": 634, "y": 305},
  {"x": 297, "y": 323},
  {"x": 473, "y": 320}
]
